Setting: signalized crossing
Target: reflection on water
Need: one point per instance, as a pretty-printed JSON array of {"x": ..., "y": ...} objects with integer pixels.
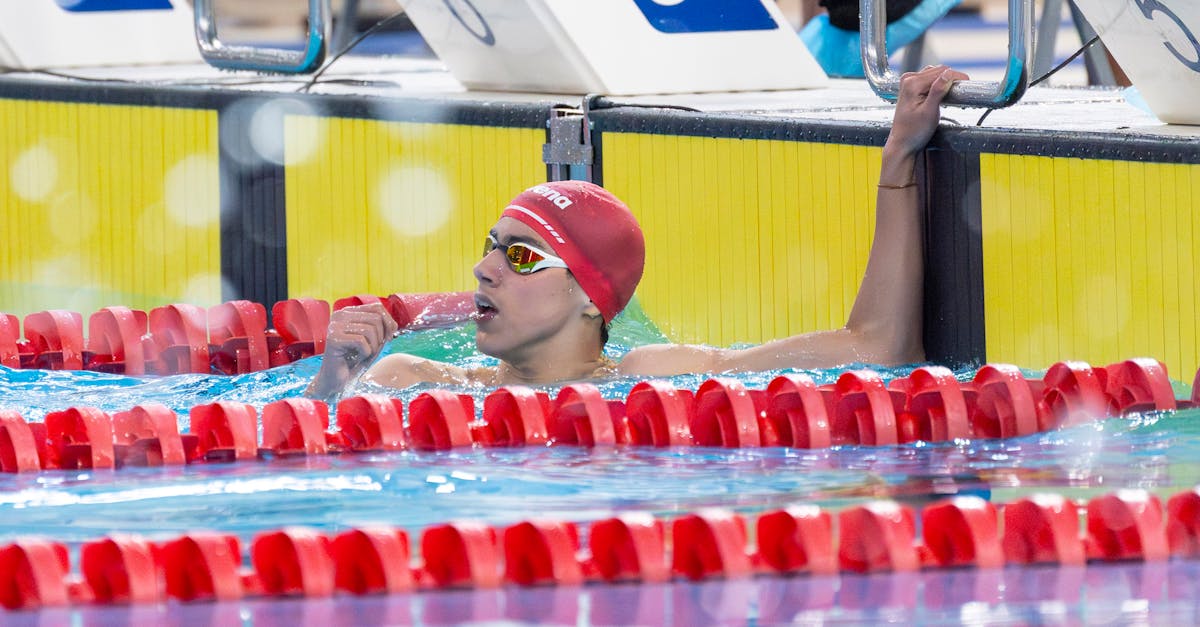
[
  {"x": 1162, "y": 593},
  {"x": 414, "y": 489}
]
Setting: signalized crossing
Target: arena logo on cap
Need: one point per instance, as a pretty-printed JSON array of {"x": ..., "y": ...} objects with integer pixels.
[{"x": 559, "y": 200}]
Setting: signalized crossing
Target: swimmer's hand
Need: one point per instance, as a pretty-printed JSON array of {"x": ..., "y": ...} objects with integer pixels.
[
  {"x": 917, "y": 107},
  {"x": 356, "y": 337}
]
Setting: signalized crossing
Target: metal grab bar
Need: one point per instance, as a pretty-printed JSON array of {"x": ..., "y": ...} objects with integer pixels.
[
  {"x": 258, "y": 59},
  {"x": 886, "y": 83}
]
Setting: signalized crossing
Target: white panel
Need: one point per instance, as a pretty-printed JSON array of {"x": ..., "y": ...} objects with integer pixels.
[
  {"x": 623, "y": 47},
  {"x": 41, "y": 34},
  {"x": 1157, "y": 43}
]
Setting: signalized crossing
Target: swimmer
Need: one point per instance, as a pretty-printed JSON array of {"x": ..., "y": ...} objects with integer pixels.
[{"x": 564, "y": 258}]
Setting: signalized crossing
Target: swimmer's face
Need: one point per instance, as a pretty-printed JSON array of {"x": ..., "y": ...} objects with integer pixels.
[{"x": 519, "y": 315}]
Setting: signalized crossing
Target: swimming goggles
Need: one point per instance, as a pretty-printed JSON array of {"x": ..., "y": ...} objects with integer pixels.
[{"x": 524, "y": 258}]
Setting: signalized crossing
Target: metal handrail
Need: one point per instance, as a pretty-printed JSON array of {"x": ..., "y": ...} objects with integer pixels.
[
  {"x": 259, "y": 59},
  {"x": 886, "y": 83}
]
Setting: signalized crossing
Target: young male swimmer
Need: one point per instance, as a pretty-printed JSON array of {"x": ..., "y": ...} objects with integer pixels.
[{"x": 564, "y": 259}]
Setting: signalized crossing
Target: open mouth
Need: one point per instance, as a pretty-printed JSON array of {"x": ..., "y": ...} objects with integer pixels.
[{"x": 484, "y": 308}]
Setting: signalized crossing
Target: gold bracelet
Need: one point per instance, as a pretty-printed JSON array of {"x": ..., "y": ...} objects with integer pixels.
[{"x": 905, "y": 186}]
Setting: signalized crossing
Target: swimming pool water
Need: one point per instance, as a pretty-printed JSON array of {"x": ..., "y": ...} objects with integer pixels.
[
  {"x": 412, "y": 489},
  {"x": 1157, "y": 451}
]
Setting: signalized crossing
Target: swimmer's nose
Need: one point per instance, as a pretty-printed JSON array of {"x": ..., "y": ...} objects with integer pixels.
[{"x": 489, "y": 269}]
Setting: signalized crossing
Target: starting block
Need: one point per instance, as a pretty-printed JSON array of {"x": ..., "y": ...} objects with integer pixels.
[
  {"x": 619, "y": 47},
  {"x": 40, "y": 34}
]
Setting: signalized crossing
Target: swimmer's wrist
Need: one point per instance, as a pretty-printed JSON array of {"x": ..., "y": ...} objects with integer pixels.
[
  {"x": 327, "y": 388},
  {"x": 898, "y": 169},
  {"x": 318, "y": 392}
]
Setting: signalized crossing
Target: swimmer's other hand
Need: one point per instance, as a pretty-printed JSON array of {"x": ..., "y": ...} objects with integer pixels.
[{"x": 917, "y": 107}]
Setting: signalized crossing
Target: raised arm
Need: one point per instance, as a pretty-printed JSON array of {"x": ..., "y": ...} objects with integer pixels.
[
  {"x": 356, "y": 337},
  {"x": 885, "y": 324}
]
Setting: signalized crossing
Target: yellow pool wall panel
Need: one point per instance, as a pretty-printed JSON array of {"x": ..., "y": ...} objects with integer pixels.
[
  {"x": 1090, "y": 259},
  {"x": 746, "y": 240},
  {"x": 376, "y": 207},
  {"x": 107, "y": 205}
]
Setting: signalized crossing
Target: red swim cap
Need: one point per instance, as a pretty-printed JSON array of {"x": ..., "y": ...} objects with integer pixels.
[{"x": 594, "y": 233}]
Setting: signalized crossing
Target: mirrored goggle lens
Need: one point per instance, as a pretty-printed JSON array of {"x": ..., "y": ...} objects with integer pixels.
[{"x": 522, "y": 258}]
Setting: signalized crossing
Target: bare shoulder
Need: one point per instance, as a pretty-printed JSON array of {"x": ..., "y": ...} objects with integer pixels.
[
  {"x": 401, "y": 371},
  {"x": 664, "y": 360}
]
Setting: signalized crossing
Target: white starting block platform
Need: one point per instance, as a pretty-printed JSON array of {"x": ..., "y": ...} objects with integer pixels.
[
  {"x": 709, "y": 55},
  {"x": 617, "y": 46}
]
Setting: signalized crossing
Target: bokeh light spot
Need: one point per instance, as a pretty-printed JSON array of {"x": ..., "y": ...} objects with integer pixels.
[
  {"x": 414, "y": 200},
  {"x": 191, "y": 191},
  {"x": 34, "y": 173}
]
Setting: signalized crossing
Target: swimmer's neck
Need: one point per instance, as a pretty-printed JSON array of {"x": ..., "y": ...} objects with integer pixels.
[
  {"x": 400, "y": 370},
  {"x": 548, "y": 372}
]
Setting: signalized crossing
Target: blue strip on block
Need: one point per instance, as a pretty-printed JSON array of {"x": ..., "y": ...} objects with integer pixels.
[
  {"x": 707, "y": 16},
  {"x": 87, "y": 6}
]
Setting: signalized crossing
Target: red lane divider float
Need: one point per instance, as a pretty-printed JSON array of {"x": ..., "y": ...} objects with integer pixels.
[
  {"x": 148, "y": 435},
  {"x": 1139, "y": 385},
  {"x": 1126, "y": 525},
  {"x": 178, "y": 340},
  {"x": 1001, "y": 403},
  {"x": 11, "y": 347},
  {"x": 928, "y": 405},
  {"x": 1073, "y": 394},
  {"x": 55, "y": 340},
  {"x": 583, "y": 417},
  {"x": 80, "y": 437},
  {"x": 963, "y": 531},
  {"x": 877, "y": 536},
  {"x": 629, "y": 547},
  {"x": 863, "y": 410},
  {"x": 230, "y": 338},
  {"x": 797, "y": 412},
  {"x": 224, "y": 431},
  {"x": 441, "y": 420},
  {"x": 1042, "y": 529},
  {"x": 114, "y": 342},
  {"x": 515, "y": 416},
  {"x": 657, "y": 414},
  {"x": 22, "y": 448},
  {"x": 372, "y": 560},
  {"x": 371, "y": 423},
  {"x": 120, "y": 569},
  {"x": 935, "y": 408},
  {"x": 709, "y": 544},
  {"x": 237, "y": 332},
  {"x": 301, "y": 324},
  {"x": 460, "y": 555},
  {"x": 798, "y": 539}
]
